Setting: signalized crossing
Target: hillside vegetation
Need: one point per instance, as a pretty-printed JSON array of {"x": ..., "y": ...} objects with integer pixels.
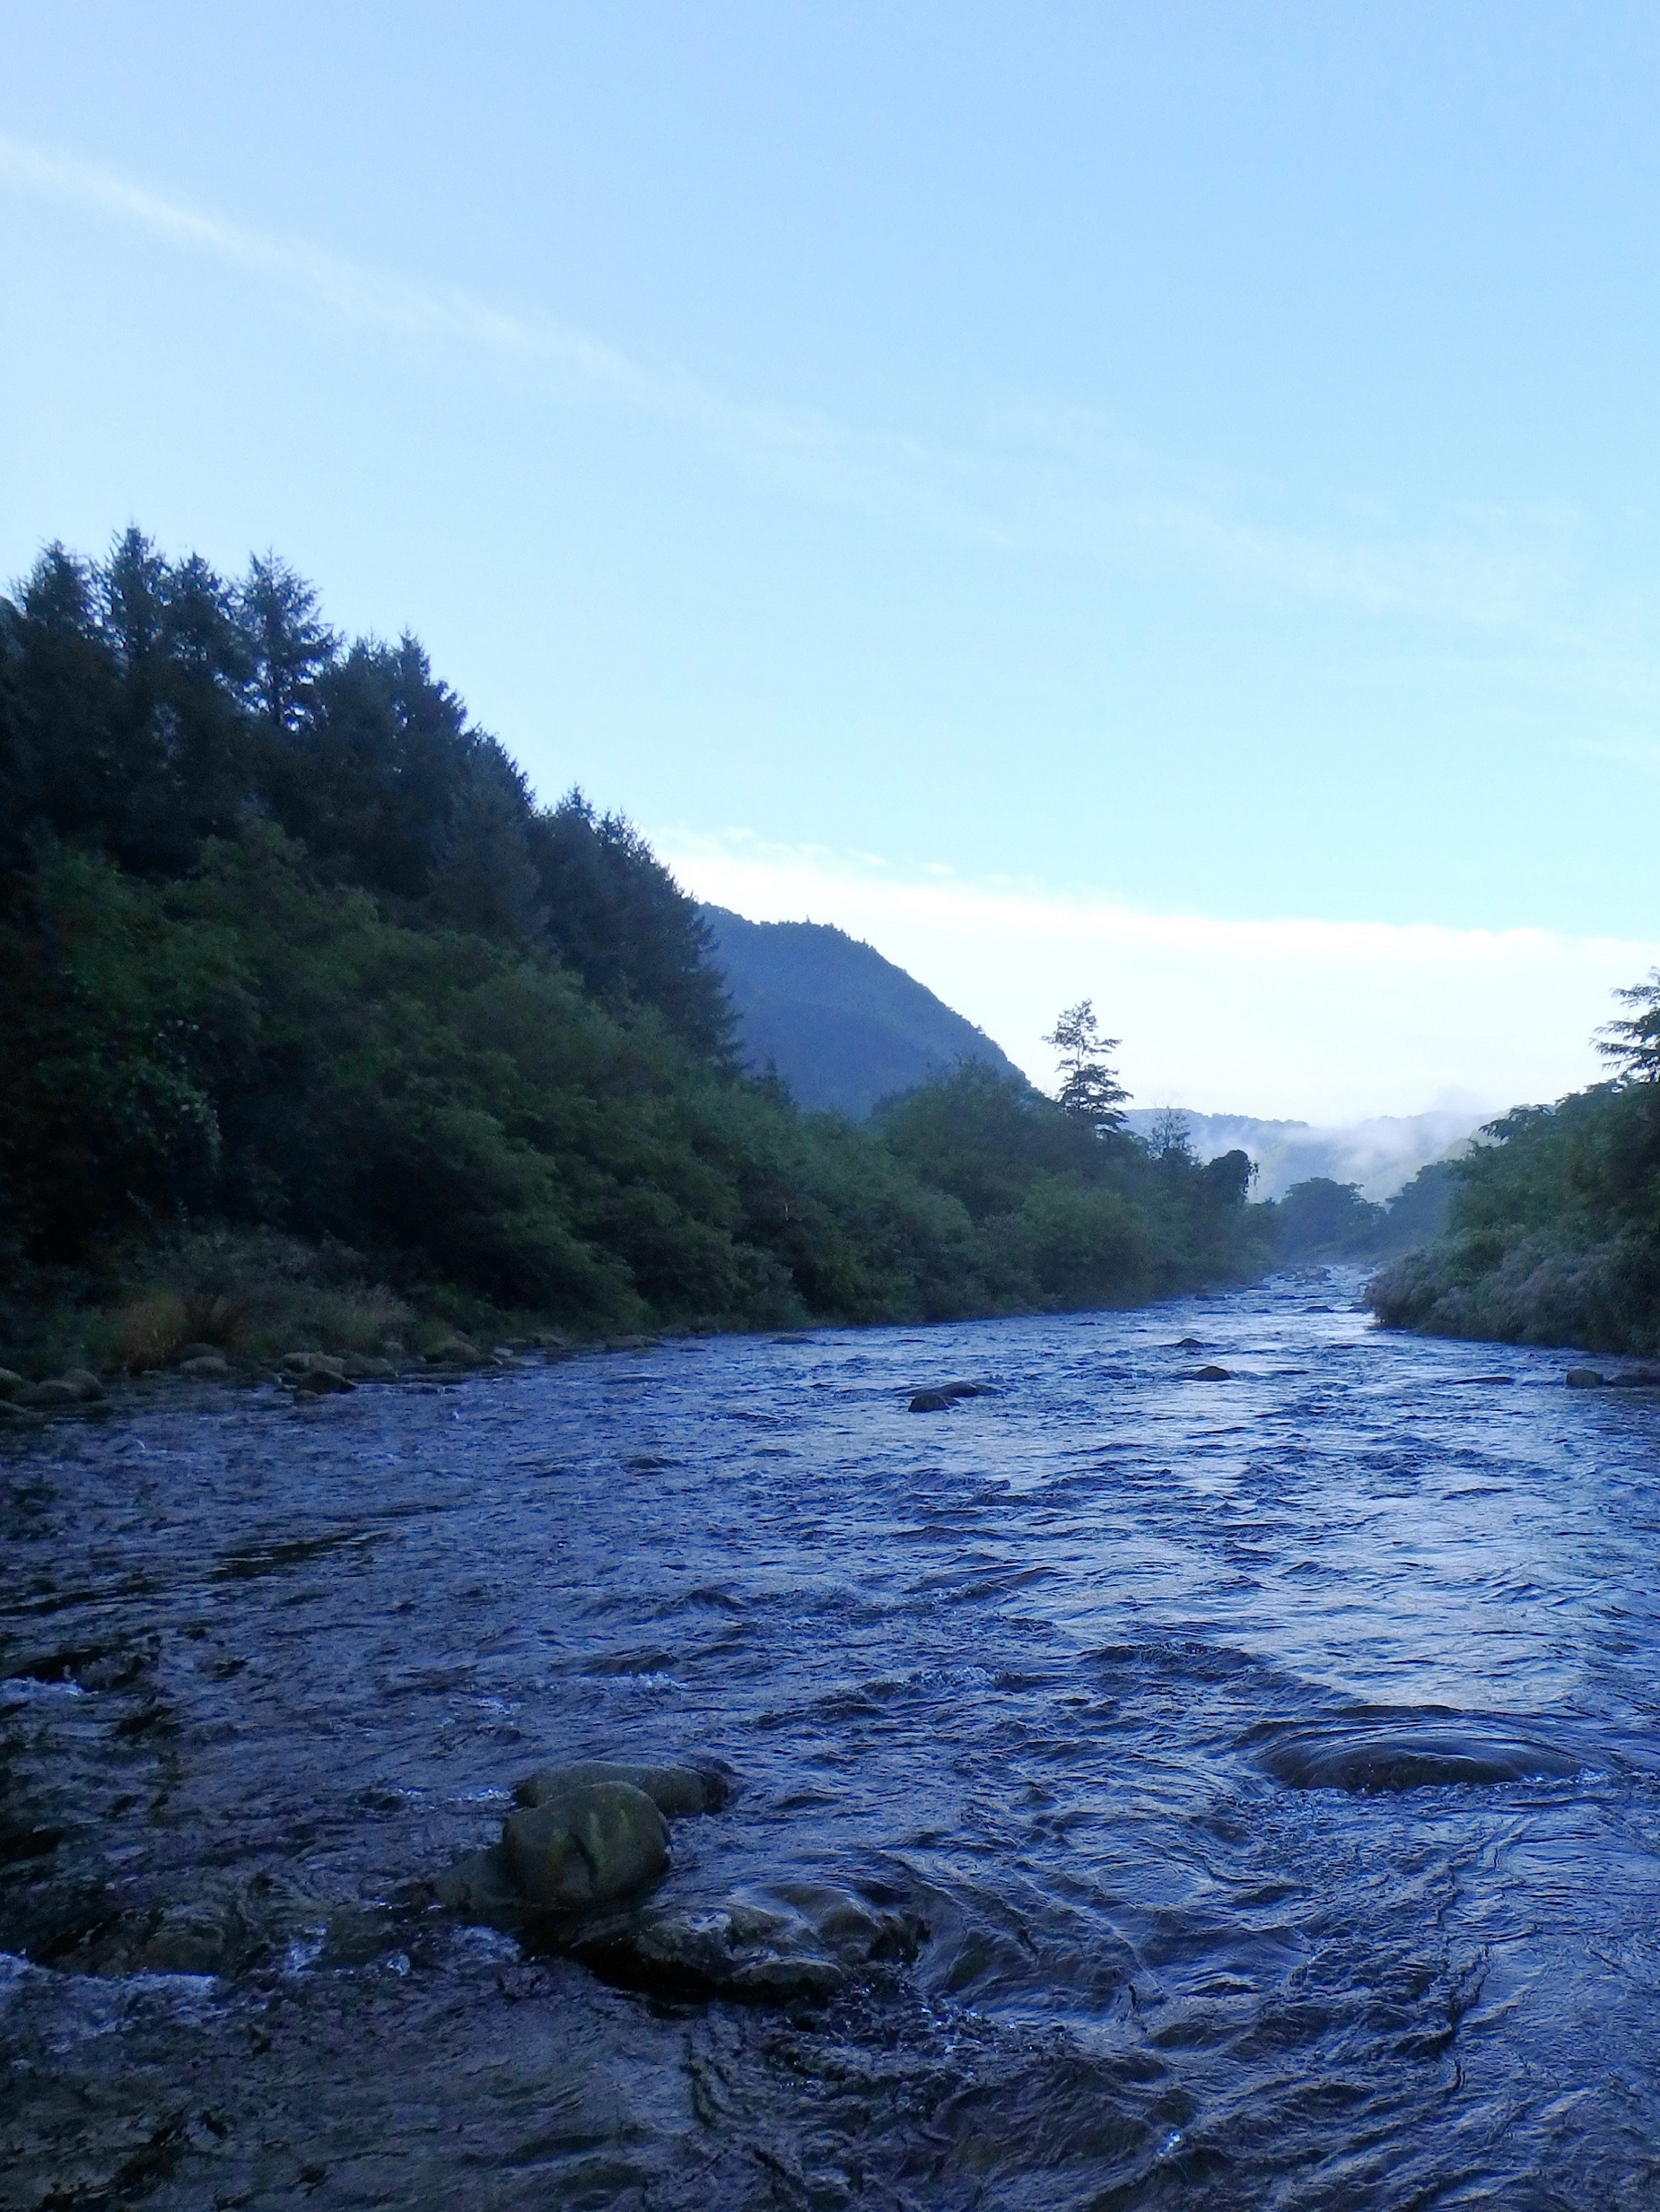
[
  {"x": 305, "y": 989},
  {"x": 1553, "y": 1229},
  {"x": 843, "y": 1027}
]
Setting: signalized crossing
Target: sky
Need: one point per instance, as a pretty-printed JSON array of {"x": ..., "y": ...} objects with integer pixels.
[{"x": 1157, "y": 504}]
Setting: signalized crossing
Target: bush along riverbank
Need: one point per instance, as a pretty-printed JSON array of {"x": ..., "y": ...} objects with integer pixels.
[
  {"x": 321, "y": 1034},
  {"x": 1553, "y": 1228}
]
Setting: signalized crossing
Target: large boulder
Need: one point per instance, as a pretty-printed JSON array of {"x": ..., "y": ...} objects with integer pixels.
[
  {"x": 320, "y": 1382},
  {"x": 589, "y": 1838},
  {"x": 56, "y": 1390},
  {"x": 675, "y": 1790},
  {"x": 596, "y": 1842},
  {"x": 203, "y": 1938}
]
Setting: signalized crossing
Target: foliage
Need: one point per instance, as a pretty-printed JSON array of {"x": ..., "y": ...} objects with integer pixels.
[
  {"x": 1069, "y": 1213},
  {"x": 297, "y": 966},
  {"x": 1632, "y": 1042},
  {"x": 1553, "y": 1224},
  {"x": 1322, "y": 1220},
  {"x": 1088, "y": 1088}
]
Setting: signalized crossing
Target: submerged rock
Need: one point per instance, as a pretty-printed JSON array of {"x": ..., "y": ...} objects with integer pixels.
[
  {"x": 799, "y": 1945},
  {"x": 937, "y": 1397},
  {"x": 197, "y": 1939},
  {"x": 1585, "y": 1378},
  {"x": 1392, "y": 1758},
  {"x": 1211, "y": 1374}
]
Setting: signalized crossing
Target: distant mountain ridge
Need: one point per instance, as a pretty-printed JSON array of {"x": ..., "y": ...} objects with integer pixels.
[
  {"x": 842, "y": 1026},
  {"x": 1381, "y": 1155}
]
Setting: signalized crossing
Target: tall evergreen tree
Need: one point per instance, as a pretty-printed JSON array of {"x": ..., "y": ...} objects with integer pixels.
[
  {"x": 1089, "y": 1089},
  {"x": 290, "y": 644}
]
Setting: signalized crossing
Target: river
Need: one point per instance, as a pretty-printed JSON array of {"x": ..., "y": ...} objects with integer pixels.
[{"x": 1271, "y": 1762}]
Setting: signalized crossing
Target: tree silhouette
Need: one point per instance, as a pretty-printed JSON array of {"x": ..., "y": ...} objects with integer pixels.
[{"x": 1089, "y": 1089}]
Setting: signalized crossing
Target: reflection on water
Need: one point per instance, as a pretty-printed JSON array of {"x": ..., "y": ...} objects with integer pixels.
[{"x": 1271, "y": 1760}]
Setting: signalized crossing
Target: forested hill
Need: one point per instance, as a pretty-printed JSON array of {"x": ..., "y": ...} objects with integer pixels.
[
  {"x": 301, "y": 978},
  {"x": 842, "y": 1026}
]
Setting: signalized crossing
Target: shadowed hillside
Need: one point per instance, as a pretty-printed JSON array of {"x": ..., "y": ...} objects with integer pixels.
[{"x": 840, "y": 1025}]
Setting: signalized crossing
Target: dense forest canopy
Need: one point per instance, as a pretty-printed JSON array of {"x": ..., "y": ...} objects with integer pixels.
[{"x": 292, "y": 948}]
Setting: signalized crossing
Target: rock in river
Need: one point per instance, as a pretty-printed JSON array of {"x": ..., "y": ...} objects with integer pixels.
[
  {"x": 675, "y": 1790},
  {"x": 596, "y": 1843},
  {"x": 587, "y": 1838},
  {"x": 939, "y": 1401},
  {"x": 319, "y": 1381},
  {"x": 796, "y": 1944},
  {"x": 56, "y": 1390}
]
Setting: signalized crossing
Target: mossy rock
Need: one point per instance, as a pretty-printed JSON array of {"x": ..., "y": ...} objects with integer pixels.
[
  {"x": 593, "y": 1845},
  {"x": 676, "y": 1791}
]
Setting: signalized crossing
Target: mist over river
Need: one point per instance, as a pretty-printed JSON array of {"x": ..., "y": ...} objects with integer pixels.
[{"x": 1271, "y": 1761}]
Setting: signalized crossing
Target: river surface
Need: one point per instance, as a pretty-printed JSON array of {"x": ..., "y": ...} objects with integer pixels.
[{"x": 1273, "y": 1762}]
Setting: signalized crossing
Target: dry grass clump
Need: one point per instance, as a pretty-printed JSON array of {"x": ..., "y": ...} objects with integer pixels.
[
  {"x": 256, "y": 1294},
  {"x": 334, "y": 1320},
  {"x": 150, "y": 1331}
]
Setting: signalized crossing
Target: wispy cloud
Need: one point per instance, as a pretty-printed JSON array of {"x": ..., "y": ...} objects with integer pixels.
[
  {"x": 359, "y": 294},
  {"x": 1027, "y": 477},
  {"x": 800, "y": 447},
  {"x": 1468, "y": 583}
]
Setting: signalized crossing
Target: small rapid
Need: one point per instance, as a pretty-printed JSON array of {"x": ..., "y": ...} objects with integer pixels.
[{"x": 1253, "y": 1712}]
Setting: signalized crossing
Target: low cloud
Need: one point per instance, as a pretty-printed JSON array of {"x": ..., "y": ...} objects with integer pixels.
[{"x": 1319, "y": 1021}]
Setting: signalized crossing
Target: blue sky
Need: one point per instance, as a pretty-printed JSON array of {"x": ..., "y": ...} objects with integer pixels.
[{"x": 1192, "y": 465}]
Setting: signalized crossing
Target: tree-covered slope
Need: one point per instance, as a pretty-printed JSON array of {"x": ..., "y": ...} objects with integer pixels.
[
  {"x": 293, "y": 955},
  {"x": 1553, "y": 1229},
  {"x": 841, "y": 1025}
]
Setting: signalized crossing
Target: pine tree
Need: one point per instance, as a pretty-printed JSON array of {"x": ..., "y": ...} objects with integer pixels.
[{"x": 1089, "y": 1089}]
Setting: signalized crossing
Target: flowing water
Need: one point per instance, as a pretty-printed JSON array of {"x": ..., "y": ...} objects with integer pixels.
[{"x": 1272, "y": 1761}]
